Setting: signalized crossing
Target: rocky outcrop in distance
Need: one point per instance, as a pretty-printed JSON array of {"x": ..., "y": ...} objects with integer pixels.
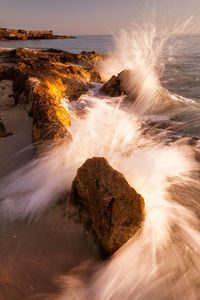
[
  {"x": 20, "y": 34},
  {"x": 107, "y": 205}
]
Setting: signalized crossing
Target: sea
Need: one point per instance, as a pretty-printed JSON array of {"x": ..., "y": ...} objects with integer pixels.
[
  {"x": 98, "y": 43},
  {"x": 154, "y": 141}
]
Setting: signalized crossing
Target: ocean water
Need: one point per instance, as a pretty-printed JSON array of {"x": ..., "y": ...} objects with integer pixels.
[
  {"x": 98, "y": 43},
  {"x": 155, "y": 142},
  {"x": 182, "y": 67}
]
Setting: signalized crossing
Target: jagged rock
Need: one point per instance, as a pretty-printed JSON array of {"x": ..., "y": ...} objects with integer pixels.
[
  {"x": 112, "y": 87},
  {"x": 121, "y": 84},
  {"x": 107, "y": 205}
]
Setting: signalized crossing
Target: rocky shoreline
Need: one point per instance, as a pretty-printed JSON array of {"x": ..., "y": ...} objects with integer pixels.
[
  {"x": 41, "y": 78},
  {"x": 37, "y": 81}
]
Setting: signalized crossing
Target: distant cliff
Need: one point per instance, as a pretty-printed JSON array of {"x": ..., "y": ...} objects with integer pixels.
[{"x": 19, "y": 34}]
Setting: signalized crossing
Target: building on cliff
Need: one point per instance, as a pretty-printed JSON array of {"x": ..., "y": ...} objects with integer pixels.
[
  {"x": 44, "y": 33},
  {"x": 9, "y": 32},
  {"x": 6, "y": 33}
]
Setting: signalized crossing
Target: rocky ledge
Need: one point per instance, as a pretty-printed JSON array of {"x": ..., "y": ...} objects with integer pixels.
[{"x": 42, "y": 78}]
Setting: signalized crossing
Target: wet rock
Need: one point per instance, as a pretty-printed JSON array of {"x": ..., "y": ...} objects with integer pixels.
[
  {"x": 122, "y": 84},
  {"x": 75, "y": 88},
  {"x": 112, "y": 87},
  {"x": 107, "y": 205}
]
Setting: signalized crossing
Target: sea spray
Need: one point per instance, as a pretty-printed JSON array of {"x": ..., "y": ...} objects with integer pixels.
[
  {"x": 110, "y": 131},
  {"x": 145, "y": 50}
]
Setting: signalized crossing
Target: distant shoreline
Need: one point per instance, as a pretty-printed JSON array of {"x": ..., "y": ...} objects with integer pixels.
[
  {"x": 56, "y": 37},
  {"x": 7, "y": 34}
]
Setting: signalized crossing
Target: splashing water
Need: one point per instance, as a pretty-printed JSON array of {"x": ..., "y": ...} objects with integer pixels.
[
  {"x": 143, "y": 50},
  {"x": 165, "y": 253},
  {"x": 162, "y": 260}
]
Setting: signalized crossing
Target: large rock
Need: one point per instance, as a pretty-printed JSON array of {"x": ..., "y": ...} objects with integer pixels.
[
  {"x": 112, "y": 87},
  {"x": 107, "y": 205},
  {"x": 122, "y": 84}
]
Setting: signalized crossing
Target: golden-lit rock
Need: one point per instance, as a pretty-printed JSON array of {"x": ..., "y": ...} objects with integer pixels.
[
  {"x": 50, "y": 119},
  {"x": 56, "y": 89},
  {"x": 41, "y": 78}
]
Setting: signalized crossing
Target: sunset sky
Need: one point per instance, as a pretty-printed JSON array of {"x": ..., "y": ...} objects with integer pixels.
[{"x": 91, "y": 16}]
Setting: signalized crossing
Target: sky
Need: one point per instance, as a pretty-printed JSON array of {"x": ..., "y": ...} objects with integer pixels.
[{"x": 91, "y": 16}]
